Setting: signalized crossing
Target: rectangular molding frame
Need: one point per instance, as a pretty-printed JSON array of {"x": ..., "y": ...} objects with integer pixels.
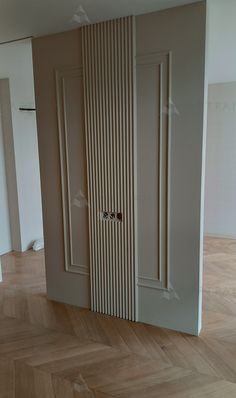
[
  {"x": 163, "y": 63},
  {"x": 61, "y": 75},
  {"x": 108, "y": 64}
]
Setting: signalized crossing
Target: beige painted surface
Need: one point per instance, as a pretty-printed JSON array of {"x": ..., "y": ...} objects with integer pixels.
[
  {"x": 172, "y": 44},
  {"x": 153, "y": 75},
  {"x": 109, "y": 109},
  {"x": 50, "y": 54},
  {"x": 70, "y": 109},
  {"x": 169, "y": 285}
]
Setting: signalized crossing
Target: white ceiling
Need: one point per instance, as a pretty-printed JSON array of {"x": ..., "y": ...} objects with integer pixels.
[{"x": 23, "y": 18}]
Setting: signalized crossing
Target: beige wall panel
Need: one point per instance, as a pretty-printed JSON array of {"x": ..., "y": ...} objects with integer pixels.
[
  {"x": 175, "y": 194},
  {"x": 51, "y": 53},
  {"x": 153, "y": 80},
  {"x": 70, "y": 101},
  {"x": 108, "y": 55}
]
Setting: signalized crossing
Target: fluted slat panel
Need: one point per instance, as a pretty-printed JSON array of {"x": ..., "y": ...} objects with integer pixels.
[{"x": 108, "y": 56}]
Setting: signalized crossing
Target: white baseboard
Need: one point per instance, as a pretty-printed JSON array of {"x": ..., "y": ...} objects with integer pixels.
[{"x": 210, "y": 235}]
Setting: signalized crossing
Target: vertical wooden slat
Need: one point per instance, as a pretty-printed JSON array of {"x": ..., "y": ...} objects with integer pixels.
[
  {"x": 113, "y": 167},
  {"x": 109, "y": 108},
  {"x": 88, "y": 146},
  {"x": 118, "y": 171},
  {"x": 132, "y": 107},
  {"x": 101, "y": 158},
  {"x": 160, "y": 171}
]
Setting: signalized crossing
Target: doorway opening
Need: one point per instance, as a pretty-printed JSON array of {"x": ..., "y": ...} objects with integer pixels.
[{"x": 20, "y": 192}]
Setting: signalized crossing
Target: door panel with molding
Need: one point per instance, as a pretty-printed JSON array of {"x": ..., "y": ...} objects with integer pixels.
[{"x": 170, "y": 140}]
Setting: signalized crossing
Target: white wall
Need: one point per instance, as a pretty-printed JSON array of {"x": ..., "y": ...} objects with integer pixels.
[
  {"x": 10, "y": 165},
  {"x": 220, "y": 191},
  {"x": 222, "y": 33},
  {"x": 16, "y": 64},
  {"x": 5, "y": 232}
]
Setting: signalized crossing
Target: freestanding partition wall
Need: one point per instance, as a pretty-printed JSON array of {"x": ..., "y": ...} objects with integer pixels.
[{"x": 121, "y": 142}]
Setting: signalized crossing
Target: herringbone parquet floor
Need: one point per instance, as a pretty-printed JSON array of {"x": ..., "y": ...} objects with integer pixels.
[{"x": 52, "y": 350}]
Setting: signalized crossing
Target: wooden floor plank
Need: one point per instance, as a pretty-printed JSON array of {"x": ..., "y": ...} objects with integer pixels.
[{"x": 53, "y": 350}]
